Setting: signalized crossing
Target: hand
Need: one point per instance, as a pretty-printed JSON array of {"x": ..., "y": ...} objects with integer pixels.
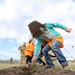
[
  {"x": 68, "y": 30},
  {"x": 33, "y": 59}
]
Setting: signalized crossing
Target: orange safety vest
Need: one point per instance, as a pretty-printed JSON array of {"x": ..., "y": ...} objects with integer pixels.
[{"x": 27, "y": 52}]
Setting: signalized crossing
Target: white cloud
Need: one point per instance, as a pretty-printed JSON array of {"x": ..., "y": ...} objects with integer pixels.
[
  {"x": 7, "y": 10},
  {"x": 15, "y": 15}
]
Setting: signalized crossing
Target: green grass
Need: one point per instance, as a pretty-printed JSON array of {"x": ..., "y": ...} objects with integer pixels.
[{"x": 7, "y": 65}]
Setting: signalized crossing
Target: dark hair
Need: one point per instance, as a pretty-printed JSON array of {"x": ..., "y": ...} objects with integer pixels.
[
  {"x": 30, "y": 40},
  {"x": 34, "y": 28}
]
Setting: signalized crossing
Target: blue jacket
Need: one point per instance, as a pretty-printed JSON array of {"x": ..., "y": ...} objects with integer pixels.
[{"x": 51, "y": 33}]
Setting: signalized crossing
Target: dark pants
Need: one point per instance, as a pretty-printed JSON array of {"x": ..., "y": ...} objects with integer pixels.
[
  {"x": 39, "y": 59},
  {"x": 28, "y": 60}
]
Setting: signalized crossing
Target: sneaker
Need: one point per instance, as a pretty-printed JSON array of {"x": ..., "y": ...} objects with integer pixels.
[
  {"x": 64, "y": 65},
  {"x": 47, "y": 67},
  {"x": 44, "y": 64}
]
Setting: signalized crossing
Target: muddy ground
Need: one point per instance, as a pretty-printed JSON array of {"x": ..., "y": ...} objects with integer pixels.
[{"x": 38, "y": 70}]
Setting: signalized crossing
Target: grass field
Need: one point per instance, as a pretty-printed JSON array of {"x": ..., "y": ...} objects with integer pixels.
[
  {"x": 7, "y": 65},
  {"x": 70, "y": 67}
]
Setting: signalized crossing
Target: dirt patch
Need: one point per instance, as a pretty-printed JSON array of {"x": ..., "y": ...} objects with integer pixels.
[{"x": 38, "y": 70}]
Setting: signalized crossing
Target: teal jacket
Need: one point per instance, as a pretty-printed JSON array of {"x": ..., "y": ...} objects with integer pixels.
[{"x": 52, "y": 33}]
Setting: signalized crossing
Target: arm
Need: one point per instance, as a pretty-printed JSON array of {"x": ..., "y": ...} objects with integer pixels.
[
  {"x": 19, "y": 48},
  {"x": 38, "y": 46},
  {"x": 56, "y": 25},
  {"x": 36, "y": 51}
]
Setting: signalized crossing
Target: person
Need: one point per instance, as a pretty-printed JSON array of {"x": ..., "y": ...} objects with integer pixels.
[
  {"x": 22, "y": 50},
  {"x": 29, "y": 52},
  {"x": 55, "y": 41},
  {"x": 11, "y": 60}
]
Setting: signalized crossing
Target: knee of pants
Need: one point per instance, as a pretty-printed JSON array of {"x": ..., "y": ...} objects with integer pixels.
[
  {"x": 44, "y": 51},
  {"x": 54, "y": 47}
]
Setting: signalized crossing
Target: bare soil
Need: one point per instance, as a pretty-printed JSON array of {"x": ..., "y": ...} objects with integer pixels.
[{"x": 38, "y": 70}]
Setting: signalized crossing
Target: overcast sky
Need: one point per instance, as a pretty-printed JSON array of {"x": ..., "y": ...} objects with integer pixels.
[{"x": 15, "y": 15}]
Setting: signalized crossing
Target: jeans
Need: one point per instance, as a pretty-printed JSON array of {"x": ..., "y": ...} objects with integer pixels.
[{"x": 55, "y": 48}]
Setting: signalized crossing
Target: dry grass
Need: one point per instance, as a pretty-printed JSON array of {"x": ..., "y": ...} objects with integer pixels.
[
  {"x": 70, "y": 67},
  {"x": 7, "y": 65}
]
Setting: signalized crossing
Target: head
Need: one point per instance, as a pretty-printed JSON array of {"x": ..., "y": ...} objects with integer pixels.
[
  {"x": 34, "y": 28},
  {"x": 31, "y": 41},
  {"x": 24, "y": 43}
]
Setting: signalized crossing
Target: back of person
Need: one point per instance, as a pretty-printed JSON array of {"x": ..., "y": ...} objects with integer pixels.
[{"x": 22, "y": 50}]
